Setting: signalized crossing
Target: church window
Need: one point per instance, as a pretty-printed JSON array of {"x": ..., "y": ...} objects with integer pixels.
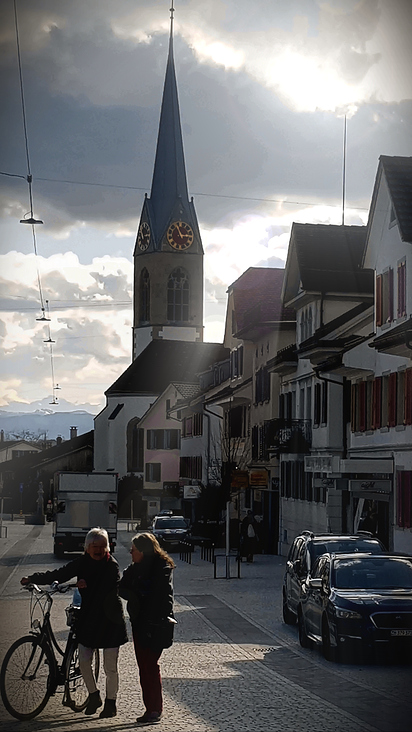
[
  {"x": 178, "y": 296},
  {"x": 144, "y": 296}
]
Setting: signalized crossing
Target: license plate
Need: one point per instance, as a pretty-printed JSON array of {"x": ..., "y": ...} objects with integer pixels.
[{"x": 401, "y": 632}]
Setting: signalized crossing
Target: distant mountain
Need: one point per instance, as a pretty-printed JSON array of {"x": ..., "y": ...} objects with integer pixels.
[{"x": 31, "y": 425}]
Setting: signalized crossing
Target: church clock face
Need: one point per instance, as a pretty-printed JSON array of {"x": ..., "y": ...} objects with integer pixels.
[
  {"x": 180, "y": 235},
  {"x": 143, "y": 236}
]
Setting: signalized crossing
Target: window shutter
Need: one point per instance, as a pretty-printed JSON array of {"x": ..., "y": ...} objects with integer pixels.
[
  {"x": 316, "y": 415},
  {"x": 362, "y": 406},
  {"x": 408, "y": 396},
  {"x": 377, "y": 403},
  {"x": 401, "y": 289},
  {"x": 392, "y": 400},
  {"x": 378, "y": 304},
  {"x": 353, "y": 401},
  {"x": 390, "y": 295}
]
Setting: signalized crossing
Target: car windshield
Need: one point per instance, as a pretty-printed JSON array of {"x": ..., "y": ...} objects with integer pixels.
[
  {"x": 345, "y": 546},
  {"x": 170, "y": 523},
  {"x": 372, "y": 573}
]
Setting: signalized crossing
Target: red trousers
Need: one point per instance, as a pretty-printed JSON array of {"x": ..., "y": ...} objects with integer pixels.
[{"x": 150, "y": 678}]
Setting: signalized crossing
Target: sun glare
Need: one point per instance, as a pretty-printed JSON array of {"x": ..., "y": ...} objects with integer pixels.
[{"x": 310, "y": 84}]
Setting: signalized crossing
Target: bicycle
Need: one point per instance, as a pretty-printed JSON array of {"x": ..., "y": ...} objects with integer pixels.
[{"x": 31, "y": 673}]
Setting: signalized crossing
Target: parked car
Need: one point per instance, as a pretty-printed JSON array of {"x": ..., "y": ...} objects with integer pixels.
[
  {"x": 305, "y": 549},
  {"x": 357, "y": 600},
  {"x": 170, "y": 531}
]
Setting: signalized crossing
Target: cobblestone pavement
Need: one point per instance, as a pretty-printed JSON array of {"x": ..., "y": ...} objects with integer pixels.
[{"x": 233, "y": 666}]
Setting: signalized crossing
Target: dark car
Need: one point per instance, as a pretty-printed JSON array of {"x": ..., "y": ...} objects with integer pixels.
[
  {"x": 170, "y": 531},
  {"x": 305, "y": 549},
  {"x": 361, "y": 601}
]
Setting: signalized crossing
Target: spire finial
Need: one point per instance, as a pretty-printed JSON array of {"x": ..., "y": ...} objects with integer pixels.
[{"x": 172, "y": 10}]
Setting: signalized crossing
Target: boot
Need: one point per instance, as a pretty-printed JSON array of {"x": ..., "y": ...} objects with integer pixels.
[
  {"x": 109, "y": 709},
  {"x": 93, "y": 703}
]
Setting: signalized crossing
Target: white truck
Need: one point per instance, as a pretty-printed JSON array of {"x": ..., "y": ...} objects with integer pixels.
[{"x": 81, "y": 502}]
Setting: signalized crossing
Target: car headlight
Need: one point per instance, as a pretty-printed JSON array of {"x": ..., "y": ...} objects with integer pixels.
[{"x": 347, "y": 614}]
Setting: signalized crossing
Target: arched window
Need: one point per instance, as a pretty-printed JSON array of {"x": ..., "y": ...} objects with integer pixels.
[
  {"x": 178, "y": 296},
  {"x": 144, "y": 296},
  {"x": 135, "y": 446}
]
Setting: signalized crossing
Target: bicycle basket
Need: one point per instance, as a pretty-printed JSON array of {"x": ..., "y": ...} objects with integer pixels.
[{"x": 72, "y": 613}]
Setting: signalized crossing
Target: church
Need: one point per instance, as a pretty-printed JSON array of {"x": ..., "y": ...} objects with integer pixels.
[{"x": 168, "y": 345}]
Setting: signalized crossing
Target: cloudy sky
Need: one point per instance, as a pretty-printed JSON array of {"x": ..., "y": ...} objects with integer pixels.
[{"x": 263, "y": 86}]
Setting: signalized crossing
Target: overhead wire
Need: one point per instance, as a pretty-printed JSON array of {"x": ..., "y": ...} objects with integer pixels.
[{"x": 29, "y": 179}]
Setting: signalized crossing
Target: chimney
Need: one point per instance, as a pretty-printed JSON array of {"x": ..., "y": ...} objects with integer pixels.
[
  {"x": 58, "y": 440},
  {"x": 73, "y": 432}
]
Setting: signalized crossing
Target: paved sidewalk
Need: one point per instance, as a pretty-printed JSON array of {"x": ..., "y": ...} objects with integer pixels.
[{"x": 227, "y": 670}]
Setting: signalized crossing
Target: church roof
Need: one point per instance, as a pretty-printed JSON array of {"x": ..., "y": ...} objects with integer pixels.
[
  {"x": 169, "y": 175},
  {"x": 163, "y": 362}
]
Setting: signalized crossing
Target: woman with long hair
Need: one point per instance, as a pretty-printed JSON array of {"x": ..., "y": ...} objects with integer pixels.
[
  {"x": 101, "y": 621},
  {"x": 147, "y": 586}
]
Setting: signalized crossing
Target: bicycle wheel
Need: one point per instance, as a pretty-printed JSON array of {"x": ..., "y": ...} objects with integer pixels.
[
  {"x": 27, "y": 678},
  {"x": 76, "y": 693}
]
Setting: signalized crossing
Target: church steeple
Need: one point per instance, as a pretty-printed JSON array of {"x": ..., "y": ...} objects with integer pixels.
[
  {"x": 168, "y": 256},
  {"x": 169, "y": 175}
]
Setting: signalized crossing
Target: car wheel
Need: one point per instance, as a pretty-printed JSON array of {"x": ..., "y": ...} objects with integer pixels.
[
  {"x": 303, "y": 636},
  {"x": 288, "y": 616},
  {"x": 329, "y": 651}
]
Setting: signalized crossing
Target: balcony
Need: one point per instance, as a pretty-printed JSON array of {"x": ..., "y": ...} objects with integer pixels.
[{"x": 288, "y": 436}]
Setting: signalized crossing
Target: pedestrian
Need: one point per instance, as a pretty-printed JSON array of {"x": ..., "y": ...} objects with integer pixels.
[
  {"x": 249, "y": 536},
  {"x": 147, "y": 586},
  {"x": 101, "y": 622}
]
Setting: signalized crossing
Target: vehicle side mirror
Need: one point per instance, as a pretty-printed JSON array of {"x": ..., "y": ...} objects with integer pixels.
[{"x": 315, "y": 583}]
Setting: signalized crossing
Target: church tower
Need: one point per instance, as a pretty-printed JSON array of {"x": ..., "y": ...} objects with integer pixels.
[{"x": 168, "y": 255}]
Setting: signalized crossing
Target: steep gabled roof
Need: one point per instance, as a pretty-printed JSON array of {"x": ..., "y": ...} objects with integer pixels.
[
  {"x": 257, "y": 296},
  {"x": 398, "y": 174},
  {"x": 39, "y": 459},
  {"x": 326, "y": 258},
  {"x": 163, "y": 362}
]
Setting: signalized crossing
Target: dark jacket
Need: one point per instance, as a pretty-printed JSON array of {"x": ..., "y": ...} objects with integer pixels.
[
  {"x": 147, "y": 587},
  {"x": 101, "y": 621}
]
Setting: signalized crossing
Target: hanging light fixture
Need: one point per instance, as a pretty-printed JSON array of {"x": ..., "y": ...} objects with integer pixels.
[
  {"x": 43, "y": 316},
  {"x": 30, "y": 219}
]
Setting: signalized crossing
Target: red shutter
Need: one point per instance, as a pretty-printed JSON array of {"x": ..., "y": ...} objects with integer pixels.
[
  {"x": 401, "y": 289},
  {"x": 362, "y": 406},
  {"x": 353, "y": 396},
  {"x": 377, "y": 403},
  {"x": 392, "y": 400},
  {"x": 390, "y": 294},
  {"x": 408, "y": 396},
  {"x": 378, "y": 304}
]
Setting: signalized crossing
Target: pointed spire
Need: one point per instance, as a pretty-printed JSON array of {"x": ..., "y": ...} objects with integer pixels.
[{"x": 169, "y": 176}]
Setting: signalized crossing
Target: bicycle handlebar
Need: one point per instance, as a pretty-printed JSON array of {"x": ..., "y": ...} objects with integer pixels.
[{"x": 54, "y": 587}]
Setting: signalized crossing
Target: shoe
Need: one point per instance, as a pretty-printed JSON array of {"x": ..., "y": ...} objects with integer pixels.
[
  {"x": 109, "y": 709},
  {"x": 93, "y": 703},
  {"x": 149, "y": 718}
]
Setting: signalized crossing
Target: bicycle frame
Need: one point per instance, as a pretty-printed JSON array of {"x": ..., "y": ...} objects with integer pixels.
[{"x": 45, "y": 634}]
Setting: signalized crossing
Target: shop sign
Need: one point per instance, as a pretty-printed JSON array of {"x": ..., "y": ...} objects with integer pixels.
[
  {"x": 240, "y": 479},
  {"x": 258, "y": 478},
  {"x": 372, "y": 486},
  {"x": 191, "y": 491},
  {"x": 322, "y": 464}
]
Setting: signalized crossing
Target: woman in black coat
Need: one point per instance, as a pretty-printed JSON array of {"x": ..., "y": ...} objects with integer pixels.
[
  {"x": 101, "y": 621},
  {"x": 147, "y": 587}
]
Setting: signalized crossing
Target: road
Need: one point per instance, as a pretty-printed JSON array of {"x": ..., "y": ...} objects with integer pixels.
[{"x": 234, "y": 664}]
